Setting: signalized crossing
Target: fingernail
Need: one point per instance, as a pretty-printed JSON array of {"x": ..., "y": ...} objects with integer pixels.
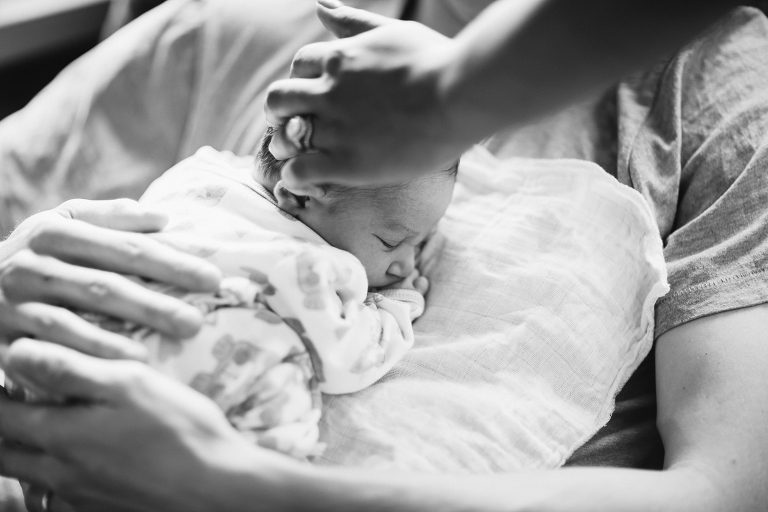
[
  {"x": 209, "y": 277},
  {"x": 188, "y": 321},
  {"x": 330, "y": 4},
  {"x": 121, "y": 350},
  {"x": 280, "y": 152},
  {"x": 153, "y": 218},
  {"x": 136, "y": 351},
  {"x": 155, "y": 213}
]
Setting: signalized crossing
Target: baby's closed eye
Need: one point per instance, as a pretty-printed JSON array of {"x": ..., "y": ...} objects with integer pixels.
[{"x": 388, "y": 245}]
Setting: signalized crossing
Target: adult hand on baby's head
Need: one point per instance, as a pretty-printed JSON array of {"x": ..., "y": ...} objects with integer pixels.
[
  {"x": 72, "y": 257},
  {"x": 374, "y": 98}
]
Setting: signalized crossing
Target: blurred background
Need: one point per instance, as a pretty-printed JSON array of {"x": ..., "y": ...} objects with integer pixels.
[{"x": 38, "y": 38}]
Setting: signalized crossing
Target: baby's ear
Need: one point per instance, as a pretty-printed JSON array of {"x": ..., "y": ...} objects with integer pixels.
[
  {"x": 292, "y": 202},
  {"x": 287, "y": 200}
]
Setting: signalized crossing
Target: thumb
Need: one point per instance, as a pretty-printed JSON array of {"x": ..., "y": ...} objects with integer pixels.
[
  {"x": 119, "y": 214},
  {"x": 343, "y": 21},
  {"x": 58, "y": 371}
]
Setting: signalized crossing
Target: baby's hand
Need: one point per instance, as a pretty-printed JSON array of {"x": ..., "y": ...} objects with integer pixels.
[{"x": 415, "y": 281}]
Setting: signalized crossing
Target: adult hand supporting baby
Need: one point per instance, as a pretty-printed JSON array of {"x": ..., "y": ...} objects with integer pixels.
[
  {"x": 83, "y": 452},
  {"x": 72, "y": 257},
  {"x": 395, "y": 99}
]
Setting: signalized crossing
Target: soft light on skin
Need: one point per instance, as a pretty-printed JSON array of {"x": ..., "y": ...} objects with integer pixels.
[{"x": 384, "y": 228}]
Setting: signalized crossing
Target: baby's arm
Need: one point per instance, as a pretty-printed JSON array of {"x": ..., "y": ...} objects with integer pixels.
[{"x": 354, "y": 337}]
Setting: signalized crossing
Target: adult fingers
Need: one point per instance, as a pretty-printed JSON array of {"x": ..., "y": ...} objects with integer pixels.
[
  {"x": 24, "y": 423},
  {"x": 121, "y": 214},
  {"x": 34, "y": 467},
  {"x": 28, "y": 277},
  {"x": 81, "y": 243},
  {"x": 309, "y": 61},
  {"x": 292, "y": 97},
  {"x": 421, "y": 284},
  {"x": 311, "y": 168},
  {"x": 325, "y": 138},
  {"x": 344, "y": 21},
  {"x": 59, "y": 325},
  {"x": 282, "y": 147},
  {"x": 59, "y": 372}
]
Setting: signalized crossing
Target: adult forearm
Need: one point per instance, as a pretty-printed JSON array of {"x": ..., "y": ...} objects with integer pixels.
[
  {"x": 572, "y": 490},
  {"x": 521, "y": 59}
]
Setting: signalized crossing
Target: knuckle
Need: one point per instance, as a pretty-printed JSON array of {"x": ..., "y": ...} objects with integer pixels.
[
  {"x": 69, "y": 209},
  {"x": 132, "y": 250},
  {"x": 45, "y": 323},
  {"x": 100, "y": 288}
]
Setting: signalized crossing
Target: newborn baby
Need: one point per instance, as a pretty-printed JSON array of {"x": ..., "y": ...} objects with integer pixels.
[{"x": 294, "y": 315}]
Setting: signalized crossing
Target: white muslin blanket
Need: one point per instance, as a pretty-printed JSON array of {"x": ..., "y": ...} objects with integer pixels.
[{"x": 544, "y": 276}]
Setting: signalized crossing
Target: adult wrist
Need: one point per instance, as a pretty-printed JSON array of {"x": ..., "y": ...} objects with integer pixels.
[
  {"x": 244, "y": 473},
  {"x": 468, "y": 120}
]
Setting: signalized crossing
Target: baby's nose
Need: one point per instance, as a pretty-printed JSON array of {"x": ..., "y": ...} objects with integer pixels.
[{"x": 401, "y": 268}]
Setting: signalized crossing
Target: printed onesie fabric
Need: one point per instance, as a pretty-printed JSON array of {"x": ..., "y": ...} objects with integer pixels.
[{"x": 292, "y": 318}]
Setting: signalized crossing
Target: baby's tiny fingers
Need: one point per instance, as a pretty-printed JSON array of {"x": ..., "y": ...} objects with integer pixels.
[
  {"x": 413, "y": 276},
  {"x": 421, "y": 284}
]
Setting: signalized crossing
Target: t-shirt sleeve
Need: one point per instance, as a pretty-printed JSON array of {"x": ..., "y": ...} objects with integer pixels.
[{"x": 698, "y": 151}]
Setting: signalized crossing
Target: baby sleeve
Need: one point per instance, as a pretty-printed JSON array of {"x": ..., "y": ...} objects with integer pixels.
[
  {"x": 412, "y": 298},
  {"x": 353, "y": 338}
]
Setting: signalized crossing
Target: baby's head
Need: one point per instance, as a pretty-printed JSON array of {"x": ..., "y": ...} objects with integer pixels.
[{"x": 383, "y": 226}]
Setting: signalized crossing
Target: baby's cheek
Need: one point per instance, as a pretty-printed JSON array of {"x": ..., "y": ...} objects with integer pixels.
[
  {"x": 375, "y": 268},
  {"x": 377, "y": 275},
  {"x": 375, "y": 279}
]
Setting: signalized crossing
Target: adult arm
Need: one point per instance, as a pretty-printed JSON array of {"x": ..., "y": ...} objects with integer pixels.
[
  {"x": 74, "y": 257},
  {"x": 712, "y": 415},
  {"x": 395, "y": 99}
]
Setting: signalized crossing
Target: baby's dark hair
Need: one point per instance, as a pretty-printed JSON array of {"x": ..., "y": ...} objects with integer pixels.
[{"x": 271, "y": 168}]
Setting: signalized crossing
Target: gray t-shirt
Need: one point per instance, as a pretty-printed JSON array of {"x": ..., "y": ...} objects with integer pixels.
[{"x": 692, "y": 137}]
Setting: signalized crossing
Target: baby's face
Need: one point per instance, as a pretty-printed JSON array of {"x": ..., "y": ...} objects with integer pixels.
[{"x": 384, "y": 228}]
